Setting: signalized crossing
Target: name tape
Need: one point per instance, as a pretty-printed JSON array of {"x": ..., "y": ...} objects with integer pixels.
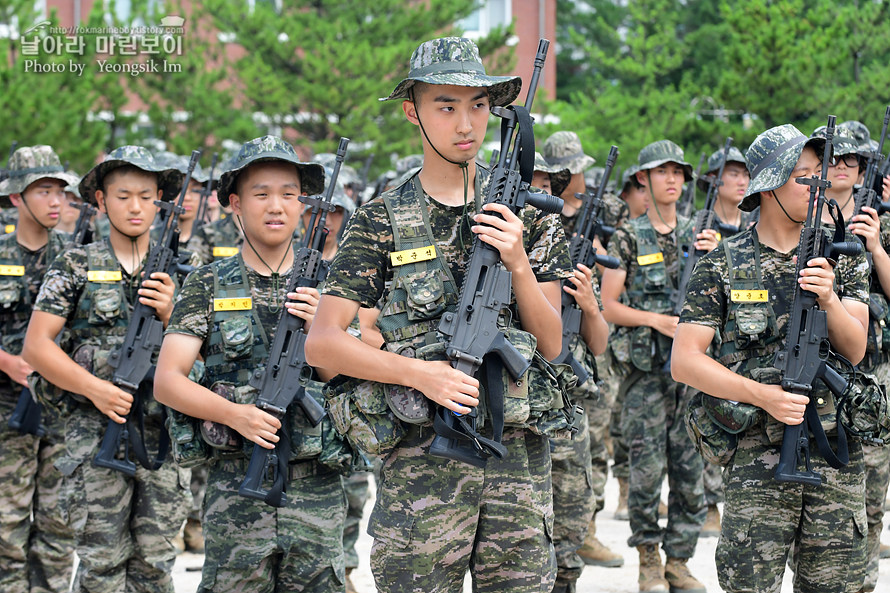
[{"x": 410, "y": 256}]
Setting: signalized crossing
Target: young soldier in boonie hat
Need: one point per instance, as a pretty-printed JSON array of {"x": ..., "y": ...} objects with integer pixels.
[
  {"x": 762, "y": 261},
  {"x": 228, "y": 313},
  {"x": 640, "y": 298},
  {"x": 495, "y": 525},
  {"x": 732, "y": 192},
  {"x": 563, "y": 150},
  {"x": 90, "y": 292},
  {"x": 36, "y": 544},
  {"x": 633, "y": 192},
  {"x": 552, "y": 180}
]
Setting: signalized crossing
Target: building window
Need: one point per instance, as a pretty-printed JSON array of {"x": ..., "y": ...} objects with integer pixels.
[{"x": 491, "y": 14}]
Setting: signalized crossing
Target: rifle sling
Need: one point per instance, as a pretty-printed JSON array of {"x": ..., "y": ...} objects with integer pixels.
[
  {"x": 136, "y": 427},
  {"x": 275, "y": 495},
  {"x": 842, "y": 458}
]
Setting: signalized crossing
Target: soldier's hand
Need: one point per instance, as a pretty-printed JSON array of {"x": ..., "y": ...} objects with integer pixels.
[
  {"x": 111, "y": 401},
  {"x": 665, "y": 324},
  {"x": 581, "y": 287},
  {"x": 504, "y": 234},
  {"x": 885, "y": 195},
  {"x": 157, "y": 292},
  {"x": 446, "y": 386},
  {"x": 818, "y": 278},
  {"x": 785, "y": 407},
  {"x": 16, "y": 367},
  {"x": 256, "y": 425},
  {"x": 706, "y": 240},
  {"x": 302, "y": 304},
  {"x": 868, "y": 227}
]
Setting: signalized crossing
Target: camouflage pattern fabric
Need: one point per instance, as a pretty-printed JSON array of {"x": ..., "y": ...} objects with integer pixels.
[
  {"x": 407, "y": 163},
  {"x": 9, "y": 218},
  {"x": 563, "y": 150},
  {"x": 169, "y": 179},
  {"x": 435, "y": 518},
  {"x": 124, "y": 525},
  {"x": 599, "y": 411},
  {"x": 763, "y": 518},
  {"x": 220, "y": 238},
  {"x": 356, "y": 486},
  {"x": 877, "y": 479},
  {"x": 661, "y": 152},
  {"x": 559, "y": 176},
  {"x": 29, "y": 164},
  {"x": 455, "y": 61},
  {"x": 36, "y": 554},
  {"x": 857, "y": 129},
  {"x": 251, "y": 546},
  {"x": 842, "y": 143},
  {"x": 248, "y": 544},
  {"x": 264, "y": 149}
]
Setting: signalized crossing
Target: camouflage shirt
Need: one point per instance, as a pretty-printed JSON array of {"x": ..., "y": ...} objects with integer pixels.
[
  {"x": 707, "y": 297},
  {"x": 219, "y": 234},
  {"x": 361, "y": 270},
  {"x": 623, "y": 246}
]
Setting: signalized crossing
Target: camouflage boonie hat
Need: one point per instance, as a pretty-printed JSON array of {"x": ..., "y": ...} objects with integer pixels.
[
  {"x": 771, "y": 159},
  {"x": 625, "y": 176},
  {"x": 559, "y": 177},
  {"x": 169, "y": 179},
  {"x": 348, "y": 175},
  {"x": 857, "y": 130},
  {"x": 661, "y": 152},
  {"x": 406, "y": 163},
  {"x": 455, "y": 61},
  {"x": 73, "y": 187},
  {"x": 842, "y": 143},
  {"x": 340, "y": 198},
  {"x": 181, "y": 164},
  {"x": 563, "y": 149},
  {"x": 268, "y": 148},
  {"x": 715, "y": 160},
  {"x": 29, "y": 164}
]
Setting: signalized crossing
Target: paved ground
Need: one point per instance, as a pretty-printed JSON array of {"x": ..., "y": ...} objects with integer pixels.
[{"x": 600, "y": 580}]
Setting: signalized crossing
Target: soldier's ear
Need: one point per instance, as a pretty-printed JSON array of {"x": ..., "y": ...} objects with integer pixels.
[
  {"x": 235, "y": 204},
  {"x": 100, "y": 201},
  {"x": 641, "y": 178},
  {"x": 16, "y": 199},
  {"x": 410, "y": 110}
]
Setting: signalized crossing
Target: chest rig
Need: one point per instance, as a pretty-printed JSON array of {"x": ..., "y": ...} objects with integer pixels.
[{"x": 651, "y": 288}]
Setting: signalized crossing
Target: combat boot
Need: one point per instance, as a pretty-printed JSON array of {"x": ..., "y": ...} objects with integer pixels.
[
  {"x": 711, "y": 527},
  {"x": 621, "y": 512},
  {"x": 178, "y": 544},
  {"x": 651, "y": 571},
  {"x": 680, "y": 579},
  {"x": 350, "y": 587},
  {"x": 884, "y": 551},
  {"x": 562, "y": 586},
  {"x": 595, "y": 553},
  {"x": 193, "y": 535}
]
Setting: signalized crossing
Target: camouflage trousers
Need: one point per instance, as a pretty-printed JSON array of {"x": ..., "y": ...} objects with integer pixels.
[
  {"x": 36, "y": 544},
  {"x": 610, "y": 382},
  {"x": 251, "y": 546},
  {"x": 653, "y": 427},
  {"x": 713, "y": 481},
  {"x": 877, "y": 478},
  {"x": 573, "y": 499},
  {"x": 124, "y": 526},
  {"x": 764, "y": 519},
  {"x": 435, "y": 519},
  {"x": 599, "y": 416},
  {"x": 356, "y": 488},
  {"x": 197, "y": 486}
]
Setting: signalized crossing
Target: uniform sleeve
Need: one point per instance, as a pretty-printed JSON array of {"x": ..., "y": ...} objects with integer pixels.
[
  {"x": 852, "y": 275},
  {"x": 548, "y": 251},
  {"x": 63, "y": 284},
  {"x": 705, "y": 302},
  {"x": 199, "y": 245},
  {"x": 193, "y": 309},
  {"x": 358, "y": 271}
]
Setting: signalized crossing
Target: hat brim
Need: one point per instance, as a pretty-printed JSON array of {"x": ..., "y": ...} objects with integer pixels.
[
  {"x": 169, "y": 180},
  {"x": 773, "y": 176},
  {"x": 311, "y": 176},
  {"x": 502, "y": 90},
  {"x": 16, "y": 185},
  {"x": 687, "y": 168}
]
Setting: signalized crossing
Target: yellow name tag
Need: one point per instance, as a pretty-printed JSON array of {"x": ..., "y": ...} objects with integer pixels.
[
  {"x": 104, "y": 275},
  {"x": 225, "y": 251},
  {"x": 409, "y": 256},
  {"x": 749, "y": 296},
  {"x": 652, "y": 258},
  {"x": 10, "y": 228},
  {"x": 245, "y": 304},
  {"x": 719, "y": 237},
  {"x": 12, "y": 270}
]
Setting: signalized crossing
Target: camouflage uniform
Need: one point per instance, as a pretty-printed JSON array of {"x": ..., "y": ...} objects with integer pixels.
[
  {"x": 652, "y": 414},
  {"x": 220, "y": 238},
  {"x": 36, "y": 546},
  {"x": 123, "y": 525},
  {"x": 763, "y": 518},
  {"x": 9, "y": 217}
]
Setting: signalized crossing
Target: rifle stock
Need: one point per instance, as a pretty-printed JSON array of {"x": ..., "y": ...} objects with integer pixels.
[{"x": 286, "y": 373}]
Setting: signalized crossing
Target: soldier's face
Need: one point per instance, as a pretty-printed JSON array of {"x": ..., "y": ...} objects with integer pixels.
[
  {"x": 664, "y": 181},
  {"x": 637, "y": 199},
  {"x": 268, "y": 201},
  {"x": 191, "y": 201},
  {"x": 455, "y": 119},
  {"x": 795, "y": 196},
  {"x": 735, "y": 183},
  {"x": 44, "y": 198},
  {"x": 541, "y": 180},
  {"x": 844, "y": 174},
  {"x": 129, "y": 201}
]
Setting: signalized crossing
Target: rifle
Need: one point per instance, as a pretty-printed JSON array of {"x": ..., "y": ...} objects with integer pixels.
[
  {"x": 358, "y": 193},
  {"x": 27, "y": 416},
  {"x": 805, "y": 357},
  {"x": 472, "y": 333},
  {"x": 687, "y": 201},
  {"x": 283, "y": 378},
  {"x": 132, "y": 363},
  {"x": 4, "y": 173},
  {"x": 868, "y": 194},
  {"x": 583, "y": 252},
  {"x": 205, "y": 196},
  {"x": 703, "y": 220}
]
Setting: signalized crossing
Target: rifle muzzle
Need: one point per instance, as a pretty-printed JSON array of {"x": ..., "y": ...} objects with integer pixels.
[{"x": 545, "y": 202}]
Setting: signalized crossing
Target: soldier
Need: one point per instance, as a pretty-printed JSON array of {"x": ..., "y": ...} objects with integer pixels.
[
  {"x": 227, "y": 312},
  {"x": 764, "y": 518},
  {"x": 69, "y": 214},
  {"x": 218, "y": 239},
  {"x": 124, "y": 525},
  {"x": 193, "y": 195},
  {"x": 36, "y": 544},
  {"x": 650, "y": 249},
  {"x": 434, "y": 518},
  {"x": 633, "y": 193}
]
